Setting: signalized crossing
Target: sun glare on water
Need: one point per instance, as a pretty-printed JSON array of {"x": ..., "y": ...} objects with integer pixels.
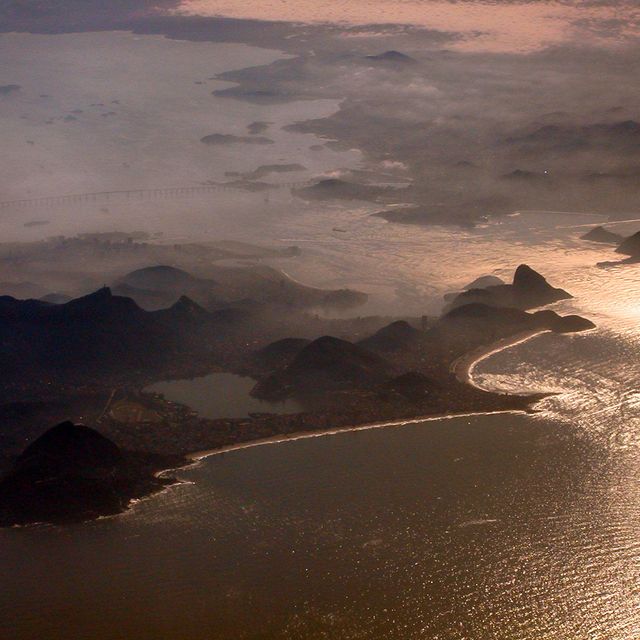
[{"x": 518, "y": 27}]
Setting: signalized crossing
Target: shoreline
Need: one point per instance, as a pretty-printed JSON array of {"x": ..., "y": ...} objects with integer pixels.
[
  {"x": 463, "y": 366},
  {"x": 197, "y": 456}
]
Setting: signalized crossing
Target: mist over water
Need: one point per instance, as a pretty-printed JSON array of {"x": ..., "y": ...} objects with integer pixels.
[
  {"x": 115, "y": 111},
  {"x": 524, "y": 527}
]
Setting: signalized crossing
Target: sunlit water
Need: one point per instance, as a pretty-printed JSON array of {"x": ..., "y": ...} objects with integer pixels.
[
  {"x": 502, "y": 526},
  {"x": 498, "y": 25},
  {"x": 497, "y": 527},
  {"x": 491, "y": 527}
]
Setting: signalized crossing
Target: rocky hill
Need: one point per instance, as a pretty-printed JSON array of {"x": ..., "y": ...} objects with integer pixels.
[
  {"x": 73, "y": 473},
  {"x": 529, "y": 289}
]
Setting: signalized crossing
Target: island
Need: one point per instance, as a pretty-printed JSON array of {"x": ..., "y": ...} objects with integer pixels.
[
  {"x": 630, "y": 247},
  {"x": 602, "y": 235}
]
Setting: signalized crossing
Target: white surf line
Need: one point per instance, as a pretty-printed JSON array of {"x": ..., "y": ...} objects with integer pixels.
[
  {"x": 463, "y": 366},
  {"x": 305, "y": 435},
  {"x": 501, "y": 345},
  {"x": 477, "y": 523}
]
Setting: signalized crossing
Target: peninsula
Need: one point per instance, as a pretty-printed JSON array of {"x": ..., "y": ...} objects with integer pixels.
[{"x": 89, "y": 360}]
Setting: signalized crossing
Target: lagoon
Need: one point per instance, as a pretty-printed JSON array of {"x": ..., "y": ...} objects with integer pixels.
[{"x": 220, "y": 395}]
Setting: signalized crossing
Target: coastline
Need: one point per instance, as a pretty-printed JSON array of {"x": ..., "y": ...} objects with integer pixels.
[
  {"x": 463, "y": 366},
  {"x": 197, "y": 456}
]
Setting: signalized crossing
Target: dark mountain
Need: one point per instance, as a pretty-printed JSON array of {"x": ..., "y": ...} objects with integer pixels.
[
  {"x": 478, "y": 324},
  {"x": 69, "y": 449},
  {"x": 146, "y": 298},
  {"x": 413, "y": 385},
  {"x": 326, "y": 364},
  {"x": 252, "y": 286},
  {"x": 529, "y": 289},
  {"x": 184, "y": 308},
  {"x": 527, "y": 282},
  {"x": 99, "y": 333},
  {"x": 279, "y": 354},
  {"x": 56, "y": 298},
  {"x": 469, "y": 327},
  {"x": 397, "y": 336},
  {"x": 159, "y": 286},
  {"x": 600, "y": 234},
  {"x": 73, "y": 473},
  {"x": 630, "y": 246},
  {"x": 161, "y": 278},
  {"x": 548, "y": 319}
]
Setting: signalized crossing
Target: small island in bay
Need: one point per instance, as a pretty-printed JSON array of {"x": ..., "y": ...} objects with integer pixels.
[
  {"x": 227, "y": 138},
  {"x": 630, "y": 247},
  {"x": 600, "y": 234},
  {"x": 392, "y": 57}
]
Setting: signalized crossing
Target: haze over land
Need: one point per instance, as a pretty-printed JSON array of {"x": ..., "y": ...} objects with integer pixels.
[{"x": 228, "y": 224}]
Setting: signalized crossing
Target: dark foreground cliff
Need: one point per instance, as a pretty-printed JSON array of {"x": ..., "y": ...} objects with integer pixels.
[{"x": 73, "y": 473}]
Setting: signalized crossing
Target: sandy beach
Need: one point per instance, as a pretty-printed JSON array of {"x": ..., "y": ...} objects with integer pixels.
[
  {"x": 463, "y": 366},
  {"x": 304, "y": 435}
]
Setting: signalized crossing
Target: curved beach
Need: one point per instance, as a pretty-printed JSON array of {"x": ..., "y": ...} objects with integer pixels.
[
  {"x": 464, "y": 365},
  {"x": 462, "y": 368}
]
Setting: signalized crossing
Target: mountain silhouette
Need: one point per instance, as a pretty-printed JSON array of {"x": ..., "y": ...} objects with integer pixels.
[
  {"x": 73, "y": 473},
  {"x": 327, "y": 363},
  {"x": 529, "y": 289}
]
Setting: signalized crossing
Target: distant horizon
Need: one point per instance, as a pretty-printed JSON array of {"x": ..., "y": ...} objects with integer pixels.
[{"x": 514, "y": 26}]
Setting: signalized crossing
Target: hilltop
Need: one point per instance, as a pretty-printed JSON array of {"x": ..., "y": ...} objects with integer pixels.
[
  {"x": 529, "y": 289},
  {"x": 73, "y": 473},
  {"x": 393, "y": 57},
  {"x": 99, "y": 333},
  {"x": 252, "y": 286},
  {"x": 324, "y": 364},
  {"x": 630, "y": 246}
]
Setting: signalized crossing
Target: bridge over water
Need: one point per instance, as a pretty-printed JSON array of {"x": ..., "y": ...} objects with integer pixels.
[{"x": 125, "y": 195}]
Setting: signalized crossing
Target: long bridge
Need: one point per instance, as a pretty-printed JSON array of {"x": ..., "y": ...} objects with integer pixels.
[{"x": 139, "y": 194}]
